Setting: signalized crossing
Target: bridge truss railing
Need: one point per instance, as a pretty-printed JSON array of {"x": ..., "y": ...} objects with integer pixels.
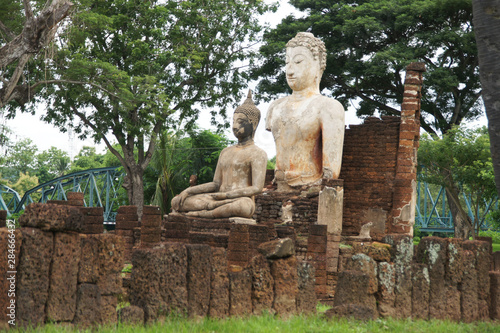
[
  {"x": 433, "y": 213},
  {"x": 9, "y": 199},
  {"x": 100, "y": 188}
]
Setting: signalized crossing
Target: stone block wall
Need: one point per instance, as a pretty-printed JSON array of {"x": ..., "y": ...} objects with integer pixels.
[
  {"x": 442, "y": 278},
  {"x": 194, "y": 279},
  {"x": 64, "y": 276}
]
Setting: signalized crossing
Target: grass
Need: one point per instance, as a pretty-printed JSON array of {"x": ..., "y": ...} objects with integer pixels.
[
  {"x": 272, "y": 324},
  {"x": 496, "y": 247}
]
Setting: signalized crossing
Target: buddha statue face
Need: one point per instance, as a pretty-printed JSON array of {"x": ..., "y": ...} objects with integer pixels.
[
  {"x": 302, "y": 69},
  {"x": 242, "y": 127}
]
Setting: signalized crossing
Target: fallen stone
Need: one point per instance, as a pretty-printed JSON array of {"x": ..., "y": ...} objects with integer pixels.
[
  {"x": 377, "y": 253},
  {"x": 279, "y": 248}
]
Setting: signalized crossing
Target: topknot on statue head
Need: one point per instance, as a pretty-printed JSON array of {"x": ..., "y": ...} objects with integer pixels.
[
  {"x": 313, "y": 44},
  {"x": 249, "y": 109}
]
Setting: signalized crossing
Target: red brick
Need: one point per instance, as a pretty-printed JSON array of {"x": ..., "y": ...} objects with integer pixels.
[
  {"x": 127, "y": 210},
  {"x": 92, "y": 211},
  {"x": 239, "y": 238},
  {"x": 127, "y": 217},
  {"x": 94, "y": 219},
  {"x": 151, "y": 210}
]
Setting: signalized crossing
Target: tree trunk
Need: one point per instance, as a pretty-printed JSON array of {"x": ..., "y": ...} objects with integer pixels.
[
  {"x": 134, "y": 184},
  {"x": 486, "y": 15},
  {"x": 462, "y": 224}
]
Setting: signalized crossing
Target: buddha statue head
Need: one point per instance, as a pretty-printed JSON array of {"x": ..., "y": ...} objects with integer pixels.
[
  {"x": 246, "y": 119},
  {"x": 305, "y": 61}
]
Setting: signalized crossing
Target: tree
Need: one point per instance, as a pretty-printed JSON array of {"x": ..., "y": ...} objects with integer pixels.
[
  {"x": 24, "y": 183},
  {"x": 128, "y": 69},
  {"x": 177, "y": 158},
  {"x": 19, "y": 159},
  {"x": 370, "y": 43},
  {"x": 51, "y": 163},
  {"x": 22, "y": 37},
  {"x": 460, "y": 162},
  {"x": 487, "y": 32},
  {"x": 86, "y": 159}
]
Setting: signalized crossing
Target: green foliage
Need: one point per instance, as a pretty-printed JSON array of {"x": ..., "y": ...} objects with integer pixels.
[
  {"x": 493, "y": 218},
  {"x": 271, "y": 164},
  {"x": 127, "y": 268},
  {"x": 176, "y": 158},
  {"x": 87, "y": 158},
  {"x": 495, "y": 235},
  {"x": 370, "y": 43},
  {"x": 128, "y": 70},
  {"x": 19, "y": 159},
  {"x": 24, "y": 183},
  {"x": 51, "y": 163},
  {"x": 461, "y": 159}
]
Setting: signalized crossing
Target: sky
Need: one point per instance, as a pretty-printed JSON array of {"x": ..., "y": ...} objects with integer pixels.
[{"x": 45, "y": 135}]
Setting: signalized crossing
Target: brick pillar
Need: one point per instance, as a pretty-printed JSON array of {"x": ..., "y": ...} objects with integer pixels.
[
  {"x": 317, "y": 256},
  {"x": 404, "y": 200},
  {"x": 150, "y": 226},
  {"x": 238, "y": 245},
  {"x": 126, "y": 220}
]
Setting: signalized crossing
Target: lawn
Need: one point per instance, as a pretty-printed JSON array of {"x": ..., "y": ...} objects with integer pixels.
[{"x": 272, "y": 324}]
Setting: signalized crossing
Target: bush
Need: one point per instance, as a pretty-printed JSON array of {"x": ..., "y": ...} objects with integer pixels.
[{"x": 495, "y": 235}]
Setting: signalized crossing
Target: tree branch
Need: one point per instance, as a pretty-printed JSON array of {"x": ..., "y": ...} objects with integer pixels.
[
  {"x": 7, "y": 90},
  {"x": 87, "y": 122},
  {"x": 6, "y": 31},
  {"x": 37, "y": 32}
]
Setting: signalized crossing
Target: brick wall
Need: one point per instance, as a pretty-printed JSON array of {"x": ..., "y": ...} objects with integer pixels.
[{"x": 368, "y": 170}]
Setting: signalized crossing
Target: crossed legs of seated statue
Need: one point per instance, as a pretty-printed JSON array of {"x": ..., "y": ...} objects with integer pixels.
[{"x": 211, "y": 208}]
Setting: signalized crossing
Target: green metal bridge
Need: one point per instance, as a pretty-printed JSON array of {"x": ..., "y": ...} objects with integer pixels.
[
  {"x": 100, "y": 188},
  {"x": 433, "y": 214}
]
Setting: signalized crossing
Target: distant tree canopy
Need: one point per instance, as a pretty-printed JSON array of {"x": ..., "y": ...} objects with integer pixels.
[{"x": 370, "y": 43}]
